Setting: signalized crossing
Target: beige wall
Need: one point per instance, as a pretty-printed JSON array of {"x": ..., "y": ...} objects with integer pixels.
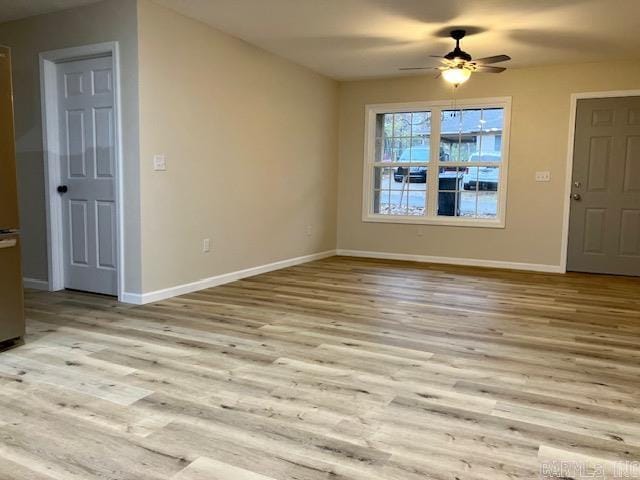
[
  {"x": 539, "y": 132},
  {"x": 113, "y": 20},
  {"x": 251, "y": 147}
]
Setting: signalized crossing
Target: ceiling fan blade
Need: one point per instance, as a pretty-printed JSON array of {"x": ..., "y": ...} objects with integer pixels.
[
  {"x": 488, "y": 69},
  {"x": 494, "y": 59}
]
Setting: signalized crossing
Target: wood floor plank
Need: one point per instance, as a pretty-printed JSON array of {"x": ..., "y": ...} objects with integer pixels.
[
  {"x": 207, "y": 469},
  {"x": 11, "y": 471}
]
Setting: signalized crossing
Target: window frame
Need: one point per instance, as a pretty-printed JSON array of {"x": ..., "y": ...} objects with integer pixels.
[{"x": 434, "y": 164}]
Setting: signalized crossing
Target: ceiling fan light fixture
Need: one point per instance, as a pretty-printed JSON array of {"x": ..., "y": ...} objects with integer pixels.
[{"x": 456, "y": 75}]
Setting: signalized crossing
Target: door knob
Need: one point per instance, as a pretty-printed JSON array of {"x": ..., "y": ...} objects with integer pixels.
[
  {"x": 63, "y": 189},
  {"x": 576, "y": 196}
]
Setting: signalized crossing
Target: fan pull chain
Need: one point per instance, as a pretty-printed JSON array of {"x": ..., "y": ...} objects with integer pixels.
[{"x": 454, "y": 89}]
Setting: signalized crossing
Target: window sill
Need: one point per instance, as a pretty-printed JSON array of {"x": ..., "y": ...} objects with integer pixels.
[{"x": 449, "y": 222}]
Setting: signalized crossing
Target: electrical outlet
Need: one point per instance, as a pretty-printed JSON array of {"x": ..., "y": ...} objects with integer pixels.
[
  {"x": 543, "y": 176},
  {"x": 309, "y": 230},
  {"x": 159, "y": 163},
  {"x": 206, "y": 245}
]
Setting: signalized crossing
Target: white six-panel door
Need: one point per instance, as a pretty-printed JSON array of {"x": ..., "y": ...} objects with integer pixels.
[{"x": 87, "y": 170}]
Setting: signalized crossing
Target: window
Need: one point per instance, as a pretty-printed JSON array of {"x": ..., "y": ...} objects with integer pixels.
[{"x": 434, "y": 163}]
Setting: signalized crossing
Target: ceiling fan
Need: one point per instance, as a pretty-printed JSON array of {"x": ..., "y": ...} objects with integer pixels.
[{"x": 457, "y": 65}]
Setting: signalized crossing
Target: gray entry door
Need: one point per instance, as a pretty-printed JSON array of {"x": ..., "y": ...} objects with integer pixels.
[
  {"x": 87, "y": 171},
  {"x": 604, "y": 226}
]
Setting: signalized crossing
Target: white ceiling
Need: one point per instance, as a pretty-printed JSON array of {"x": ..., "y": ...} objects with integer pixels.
[
  {"x": 348, "y": 39},
  {"x": 15, "y": 9}
]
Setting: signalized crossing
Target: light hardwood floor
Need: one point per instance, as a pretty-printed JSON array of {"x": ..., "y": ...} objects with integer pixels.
[{"x": 337, "y": 369}]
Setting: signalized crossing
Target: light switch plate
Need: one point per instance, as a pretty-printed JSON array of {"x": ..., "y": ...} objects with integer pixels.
[
  {"x": 543, "y": 176},
  {"x": 159, "y": 163}
]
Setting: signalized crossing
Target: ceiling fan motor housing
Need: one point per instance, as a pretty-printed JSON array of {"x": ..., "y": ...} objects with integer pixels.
[{"x": 458, "y": 54}]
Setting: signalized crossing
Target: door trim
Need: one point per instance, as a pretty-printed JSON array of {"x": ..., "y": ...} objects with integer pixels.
[
  {"x": 51, "y": 153},
  {"x": 569, "y": 167}
]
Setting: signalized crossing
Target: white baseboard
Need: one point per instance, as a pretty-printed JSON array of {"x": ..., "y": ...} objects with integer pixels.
[
  {"x": 472, "y": 262},
  {"x": 143, "y": 298},
  {"x": 155, "y": 296},
  {"x": 35, "y": 284}
]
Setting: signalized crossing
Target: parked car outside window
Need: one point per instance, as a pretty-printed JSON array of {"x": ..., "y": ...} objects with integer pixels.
[
  {"x": 482, "y": 178},
  {"x": 416, "y": 174}
]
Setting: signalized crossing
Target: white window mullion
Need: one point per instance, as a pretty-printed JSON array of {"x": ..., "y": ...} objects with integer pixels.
[
  {"x": 400, "y": 164},
  {"x": 370, "y": 148},
  {"x": 434, "y": 164}
]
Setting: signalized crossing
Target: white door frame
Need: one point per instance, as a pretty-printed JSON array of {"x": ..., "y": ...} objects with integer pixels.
[
  {"x": 569, "y": 169},
  {"x": 51, "y": 151}
]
